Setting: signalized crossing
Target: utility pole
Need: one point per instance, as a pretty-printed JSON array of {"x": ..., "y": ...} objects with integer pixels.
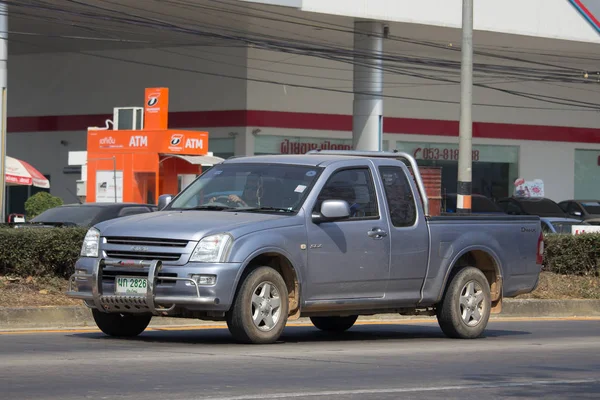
[
  {"x": 3, "y": 85},
  {"x": 465, "y": 153}
]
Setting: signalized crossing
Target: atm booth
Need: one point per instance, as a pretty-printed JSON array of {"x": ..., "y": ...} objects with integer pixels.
[{"x": 138, "y": 165}]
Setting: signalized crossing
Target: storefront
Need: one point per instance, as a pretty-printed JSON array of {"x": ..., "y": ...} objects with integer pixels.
[{"x": 495, "y": 167}]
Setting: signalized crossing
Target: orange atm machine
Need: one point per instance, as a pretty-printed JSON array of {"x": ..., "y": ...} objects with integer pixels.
[{"x": 137, "y": 165}]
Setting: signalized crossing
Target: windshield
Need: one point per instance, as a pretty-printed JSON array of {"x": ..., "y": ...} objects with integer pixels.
[
  {"x": 542, "y": 206},
  {"x": 82, "y": 216},
  {"x": 592, "y": 207},
  {"x": 565, "y": 227},
  {"x": 266, "y": 187}
]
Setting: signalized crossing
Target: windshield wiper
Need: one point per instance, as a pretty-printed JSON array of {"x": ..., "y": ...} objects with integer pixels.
[
  {"x": 278, "y": 209},
  {"x": 210, "y": 207}
]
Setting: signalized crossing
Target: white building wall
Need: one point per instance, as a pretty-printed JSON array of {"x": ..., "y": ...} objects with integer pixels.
[
  {"x": 71, "y": 83},
  {"x": 556, "y": 19},
  {"x": 320, "y": 73}
]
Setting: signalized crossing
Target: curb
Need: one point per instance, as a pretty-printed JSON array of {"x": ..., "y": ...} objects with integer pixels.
[{"x": 81, "y": 317}]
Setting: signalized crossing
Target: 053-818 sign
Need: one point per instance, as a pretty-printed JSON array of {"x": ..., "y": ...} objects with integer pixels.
[{"x": 440, "y": 154}]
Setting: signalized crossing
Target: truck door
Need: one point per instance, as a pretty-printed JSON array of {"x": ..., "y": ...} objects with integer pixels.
[
  {"x": 408, "y": 232},
  {"x": 346, "y": 259}
]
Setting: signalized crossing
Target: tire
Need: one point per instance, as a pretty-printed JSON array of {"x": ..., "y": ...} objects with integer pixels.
[
  {"x": 334, "y": 324},
  {"x": 121, "y": 325},
  {"x": 262, "y": 297},
  {"x": 465, "y": 308}
]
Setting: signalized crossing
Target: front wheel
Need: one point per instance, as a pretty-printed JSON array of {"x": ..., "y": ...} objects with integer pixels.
[
  {"x": 465, "y": 309},
  {"x": 121, "y": 325},
  {"x": 260, "y": 310}
]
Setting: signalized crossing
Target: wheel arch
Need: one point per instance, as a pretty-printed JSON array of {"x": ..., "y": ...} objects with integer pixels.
[
  {"x": 485, "y": 260},
  {"x": 281, "y": 261}
]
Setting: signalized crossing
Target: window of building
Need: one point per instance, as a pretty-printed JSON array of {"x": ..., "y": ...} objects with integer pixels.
[
  {"x": 355, "y": 186},
  {"x": 587, "y": 174},
  {"x": 399, "y": 195}
]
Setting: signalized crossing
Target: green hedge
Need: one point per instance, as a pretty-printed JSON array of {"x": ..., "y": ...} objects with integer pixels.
[
  {"x": 40, "y": 251},
  {"x": 53, "y": 252},
  {"x": 572, "y": 255}
]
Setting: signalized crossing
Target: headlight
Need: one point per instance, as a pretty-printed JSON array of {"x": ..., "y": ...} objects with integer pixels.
[
  {"x": 212, "y": 248},
  {"x": 91, "y": 243}
]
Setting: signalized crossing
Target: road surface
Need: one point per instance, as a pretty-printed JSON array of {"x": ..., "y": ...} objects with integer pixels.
[{"x": 553, "y": 359}]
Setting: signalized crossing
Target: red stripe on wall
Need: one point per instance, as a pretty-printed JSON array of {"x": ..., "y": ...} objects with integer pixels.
[{"x": 313, "y": 121}]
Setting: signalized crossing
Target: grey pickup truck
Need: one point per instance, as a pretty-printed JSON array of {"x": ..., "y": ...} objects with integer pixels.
[{"x": 330, "y": 235}]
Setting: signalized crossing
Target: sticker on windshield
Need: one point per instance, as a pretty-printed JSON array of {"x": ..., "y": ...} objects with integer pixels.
[
  {"x": 311, "y": 173},
  {"x": 218, "y": 172},
  {"x": 300, "y": 189}
]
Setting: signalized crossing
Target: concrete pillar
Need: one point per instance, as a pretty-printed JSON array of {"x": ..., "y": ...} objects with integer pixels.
[
  {"x": 367, "y": 115},
  {"x": 244, "y": 141}
]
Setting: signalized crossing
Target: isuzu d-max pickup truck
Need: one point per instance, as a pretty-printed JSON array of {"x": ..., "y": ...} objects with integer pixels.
[{"x": 330, "y": 235}]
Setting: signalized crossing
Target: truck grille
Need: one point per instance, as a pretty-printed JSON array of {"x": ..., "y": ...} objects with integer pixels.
[
  {"x": 136, "y": 248},
  {"x": 129, "y": 241}
]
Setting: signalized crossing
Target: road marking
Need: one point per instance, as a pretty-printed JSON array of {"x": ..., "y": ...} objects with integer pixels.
[
  {"x": 498, "y": 385},
  {"x": 296, "y": 324}
]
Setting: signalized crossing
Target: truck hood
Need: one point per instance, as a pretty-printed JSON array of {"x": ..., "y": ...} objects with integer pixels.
[{"x": 191, "y": 224}]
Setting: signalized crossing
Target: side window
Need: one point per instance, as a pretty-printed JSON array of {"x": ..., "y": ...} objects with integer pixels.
[
  {"x": 574, "y": 207},
  {"x": 399, "y": 195},
  {"x": 545, "y": 227},
  {"x": 354, "y": 186},
  {"x": 133, "y": 210}
]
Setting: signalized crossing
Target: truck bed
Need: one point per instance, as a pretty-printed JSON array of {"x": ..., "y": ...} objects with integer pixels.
[{"x": 507, "y": 243}]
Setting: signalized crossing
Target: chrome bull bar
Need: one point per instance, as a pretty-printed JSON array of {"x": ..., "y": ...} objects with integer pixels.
[{"x": 149, "y": 302}]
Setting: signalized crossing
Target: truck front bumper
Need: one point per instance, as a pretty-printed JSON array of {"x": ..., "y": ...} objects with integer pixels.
[{"x": 168, "y": 287}]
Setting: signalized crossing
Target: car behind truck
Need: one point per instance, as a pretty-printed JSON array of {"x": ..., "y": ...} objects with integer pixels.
[{"x": 330, "y": 235}]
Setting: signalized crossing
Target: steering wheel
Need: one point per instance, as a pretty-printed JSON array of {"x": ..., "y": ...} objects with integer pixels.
[{"x": 226, "y": 202}]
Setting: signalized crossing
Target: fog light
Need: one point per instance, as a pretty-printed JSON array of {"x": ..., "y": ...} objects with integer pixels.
[
  {"x": 205, "y": 280},
  {"x": 79, "y": 273}
]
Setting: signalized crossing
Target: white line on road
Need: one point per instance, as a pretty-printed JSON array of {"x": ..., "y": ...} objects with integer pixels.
[{"x": 406, "y": 390}]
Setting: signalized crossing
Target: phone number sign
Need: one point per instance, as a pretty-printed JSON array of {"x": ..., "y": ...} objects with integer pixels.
[{"x": 440, "y": 154}]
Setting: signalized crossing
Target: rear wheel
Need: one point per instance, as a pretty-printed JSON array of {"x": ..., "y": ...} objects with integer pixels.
[
  {"x": 334, "y": 324},
  {"x": 121, "y": 325},
  {"x": 465, "y": 309},
  {"x": 260, "y": 310}
]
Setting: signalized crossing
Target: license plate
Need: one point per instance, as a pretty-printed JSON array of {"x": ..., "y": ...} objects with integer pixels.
[{"x": 131, "y": 285}]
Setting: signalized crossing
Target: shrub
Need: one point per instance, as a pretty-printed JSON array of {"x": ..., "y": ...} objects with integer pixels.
[
  {"x": 40, "y": 202},
  {"x": 572, "y": 254},
  {"x": 40, "y": 251}
]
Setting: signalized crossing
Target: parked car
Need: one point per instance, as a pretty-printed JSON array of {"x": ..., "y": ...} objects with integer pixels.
[
  {"x": 559, "y": 225},
  {"x": 86, "y": 214},
  {"x": 542, "y": 207},
  {"x": 582, "y": 209},
  {"x": 329, "y": 235},
  {"x": 480, "y": 204}
]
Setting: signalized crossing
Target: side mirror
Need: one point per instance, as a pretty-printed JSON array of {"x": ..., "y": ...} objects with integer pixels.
[
  {"x": 332, "y": 210},
  {"x": 164, "y": 200}
]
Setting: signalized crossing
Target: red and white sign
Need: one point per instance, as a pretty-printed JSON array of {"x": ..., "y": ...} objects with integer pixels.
[
  {"x": 583, "y": 229},
  {"x": 19, "y": 172}
]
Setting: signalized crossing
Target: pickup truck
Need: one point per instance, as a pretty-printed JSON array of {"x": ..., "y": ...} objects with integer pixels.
[{"x": 329, "y": 235}]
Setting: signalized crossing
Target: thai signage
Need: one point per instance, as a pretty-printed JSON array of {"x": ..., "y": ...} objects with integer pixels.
[{"x": 289, "y": 147}]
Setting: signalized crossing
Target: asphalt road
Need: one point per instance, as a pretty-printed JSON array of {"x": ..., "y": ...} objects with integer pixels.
[{"x": 515, "y": 360}]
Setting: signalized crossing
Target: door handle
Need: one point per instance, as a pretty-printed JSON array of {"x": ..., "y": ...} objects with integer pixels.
[{"x": 377, "y": 233}]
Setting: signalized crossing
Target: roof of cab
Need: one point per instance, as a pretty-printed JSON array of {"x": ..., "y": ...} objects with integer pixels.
[{"x": 296, "y": 159}]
